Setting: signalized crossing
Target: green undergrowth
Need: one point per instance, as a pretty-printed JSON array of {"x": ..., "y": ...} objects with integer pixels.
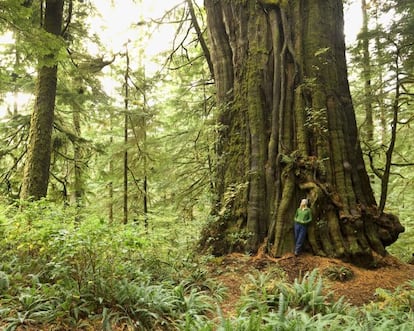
[{"x": 57, "y": 273}]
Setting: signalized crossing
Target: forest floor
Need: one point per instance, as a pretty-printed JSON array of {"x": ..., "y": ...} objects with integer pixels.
[
  {"x": 232, "y": 272},
  {"x": 389, "y": 274}
]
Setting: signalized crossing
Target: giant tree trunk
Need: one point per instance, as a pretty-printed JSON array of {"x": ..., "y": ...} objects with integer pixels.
[
  {"x": 36, "y": 172},
  {"x": 288, "y": 131}
]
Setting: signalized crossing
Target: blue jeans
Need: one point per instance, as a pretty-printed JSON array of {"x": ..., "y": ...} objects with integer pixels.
[{"x": 300, "y": 236}]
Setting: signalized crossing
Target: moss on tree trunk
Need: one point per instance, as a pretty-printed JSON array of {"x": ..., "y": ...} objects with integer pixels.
[
  {"x": 36, "y": 172},
  {"x": 288, "y": 131}
]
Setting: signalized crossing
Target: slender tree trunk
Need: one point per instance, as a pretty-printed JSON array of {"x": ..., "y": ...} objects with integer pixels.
[
  {"x": 385, "y": 178},
  {"x": 15, "y": 78},
  {"x": 110, "y": 184},
  {"x": 366, "y": 73},
  {"x": 78, "y": 160},
  {"x": 380, "y": 93},
  {"x": 36, "y": 172},
  {"x": 145, "y": 160},
  {"x": 200, "y": 36},
  {"x": 78, "y": 164},
  {"x": 145, "y": 199},
  {"x": 288, "y": 131},
  {"x": 126, "y": 120}
]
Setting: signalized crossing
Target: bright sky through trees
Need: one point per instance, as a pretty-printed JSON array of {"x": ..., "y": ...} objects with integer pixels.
[
  {"x": 115, "y": 27},
  {"x": 116, "y": 20}
]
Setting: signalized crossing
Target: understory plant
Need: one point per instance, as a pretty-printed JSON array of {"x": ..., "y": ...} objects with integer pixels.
[
  {"x": 72, "y": 274},
  {"x": 60, "y": 273},
  {"x": 268, "y": 303}
]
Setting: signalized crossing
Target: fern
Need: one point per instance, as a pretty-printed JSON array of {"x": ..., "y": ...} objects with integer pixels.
[
  {"x": 340, "y": 273},
  {"x": 282, "y": 307}
]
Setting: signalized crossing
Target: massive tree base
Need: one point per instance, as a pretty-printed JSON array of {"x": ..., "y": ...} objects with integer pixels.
[
  {"x": 354, "y": 235},
  {"x": 374, "y": 233},
  {"x": 287, "y": 131}
]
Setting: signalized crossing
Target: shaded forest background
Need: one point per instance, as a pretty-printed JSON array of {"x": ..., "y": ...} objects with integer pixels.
[{"x": 133, "y": 159}]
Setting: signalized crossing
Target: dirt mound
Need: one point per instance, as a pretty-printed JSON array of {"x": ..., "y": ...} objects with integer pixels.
[{"x": 231, "y": 271}]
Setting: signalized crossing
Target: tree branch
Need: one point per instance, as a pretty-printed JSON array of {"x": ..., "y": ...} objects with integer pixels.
[{"x": 203, "y": 43}]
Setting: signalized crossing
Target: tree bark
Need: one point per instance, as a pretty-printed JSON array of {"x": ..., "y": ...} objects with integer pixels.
[
  {"x": 36, "y": 172},
  {"x": 288, "y": 131}
]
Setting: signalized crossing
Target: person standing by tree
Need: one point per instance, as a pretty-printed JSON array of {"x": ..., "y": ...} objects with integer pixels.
[
  {"x": 287, "y": 127},
  {"x": 303, "y": 217}
]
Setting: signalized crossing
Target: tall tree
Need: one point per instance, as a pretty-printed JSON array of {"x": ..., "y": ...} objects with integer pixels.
[
  {"x": 397, "y": 41},
  {"x": 36, "y": 173},
  {"x": 288, "y": 131},
  {"x": 366, "y": 72},
  {"x": 387, "y": 76},
  {"x": 126, "y": 120}
]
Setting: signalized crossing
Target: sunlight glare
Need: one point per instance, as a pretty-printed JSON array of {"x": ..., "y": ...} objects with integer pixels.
[
  {"x": 11, "y": 101},
  {"x": 353, "y": 21}
]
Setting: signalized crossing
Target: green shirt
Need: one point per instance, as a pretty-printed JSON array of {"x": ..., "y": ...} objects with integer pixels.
[{"x": 303, "y": 216}]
